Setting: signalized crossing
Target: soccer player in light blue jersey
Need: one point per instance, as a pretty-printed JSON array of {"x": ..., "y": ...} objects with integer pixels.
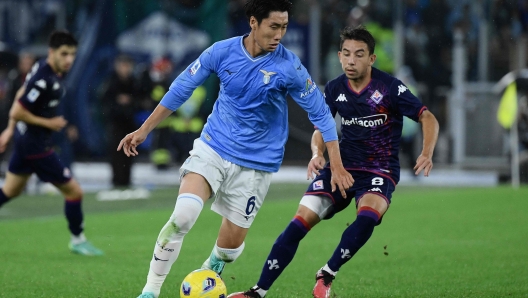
[{"x": 243, "y": 142}]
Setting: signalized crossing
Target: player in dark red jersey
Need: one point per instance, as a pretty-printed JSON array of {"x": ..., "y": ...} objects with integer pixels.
[
  {"x": 372, "y": 105},
  {"x": 33, "y": 119}
]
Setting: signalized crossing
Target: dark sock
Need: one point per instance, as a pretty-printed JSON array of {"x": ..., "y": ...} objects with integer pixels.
[
  {"x": 354, "y": 237},
  {"x": 3, "y": 198},
  {"x": 283, "y": 251},
  {"x": 74, "y": 215}
]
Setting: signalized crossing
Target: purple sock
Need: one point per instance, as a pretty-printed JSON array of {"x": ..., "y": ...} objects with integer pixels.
[
  {"x": 354, "y": 237},
  {"x": 283, "y": 251}
]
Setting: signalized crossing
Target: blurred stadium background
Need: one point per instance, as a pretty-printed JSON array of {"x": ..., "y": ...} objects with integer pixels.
[
  {"x": 458, "y": 233},
  {"x": 453, "y": 54}
]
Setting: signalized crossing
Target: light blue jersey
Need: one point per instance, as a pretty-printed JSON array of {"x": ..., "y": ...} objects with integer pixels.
[{"x": 249, "y": 122}]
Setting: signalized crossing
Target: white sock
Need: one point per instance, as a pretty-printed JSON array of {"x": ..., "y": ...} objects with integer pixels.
[
  {"x": 228, "y": 255},
  {"x": 154, "y": 282},
  {"x": 260, "y": 291},
  {"x": 75, "y": 240},
  {"x": 169, "y": 242},
  {"x": 327, "y": 269},
  {"x": 220, "y": 256}
]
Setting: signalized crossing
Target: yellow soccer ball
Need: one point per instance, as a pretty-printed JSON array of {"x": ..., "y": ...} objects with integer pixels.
[{"x": 203, "y": 283}]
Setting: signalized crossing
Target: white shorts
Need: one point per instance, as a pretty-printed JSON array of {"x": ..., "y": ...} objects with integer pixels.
[{"x": 238, "y": 191}]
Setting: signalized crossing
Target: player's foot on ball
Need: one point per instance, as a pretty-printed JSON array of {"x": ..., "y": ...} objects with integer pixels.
[
  {"x": 323, "y": 282},
  {"x": 251, "y": 293},
  {"x": 147, "y": 295},
  {"x": 85, "y": 248}
]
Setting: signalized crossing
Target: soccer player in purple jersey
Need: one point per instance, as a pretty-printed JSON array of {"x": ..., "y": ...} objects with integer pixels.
[
  {"x": 35, "y": 118},
  {"x": 371, "y": 104}
]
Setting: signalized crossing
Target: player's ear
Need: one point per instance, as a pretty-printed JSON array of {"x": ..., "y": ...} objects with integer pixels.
[
  {"x": 372, "y": 59},
  {"x": 253, "y": 23}
]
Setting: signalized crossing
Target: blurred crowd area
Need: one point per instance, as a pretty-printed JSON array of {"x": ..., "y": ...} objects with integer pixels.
[{"x": 118, "y": 80}]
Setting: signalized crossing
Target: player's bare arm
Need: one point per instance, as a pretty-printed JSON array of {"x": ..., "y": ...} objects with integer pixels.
[
  {"x": 430, "y": 129},
  {"x": 7, "y": 133},
  {"x": 19, "y": 113},
  {"x": 130, "y": 142},
  {"x": 318, "y": 160},
  {"x": 341, "y": 178}
]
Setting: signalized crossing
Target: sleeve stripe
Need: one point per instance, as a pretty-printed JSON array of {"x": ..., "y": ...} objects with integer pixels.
[{"x": 421, "y": 110}]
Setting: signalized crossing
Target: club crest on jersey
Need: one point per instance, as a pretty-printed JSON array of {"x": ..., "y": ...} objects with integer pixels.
[
  {"x": 376, "y": 96},
  {"x": 267, "y": 76},
  {"x": 318, "y": 185}
]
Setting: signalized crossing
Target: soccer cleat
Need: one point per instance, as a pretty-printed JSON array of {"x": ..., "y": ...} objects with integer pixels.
[
  {"x": 85, "y": 248},
  {"x": 251, "y": 293},
  {"x": 323, "y": 282},
  {"x": 147, "y": 295},
  {"x": 214, "y": 263}
]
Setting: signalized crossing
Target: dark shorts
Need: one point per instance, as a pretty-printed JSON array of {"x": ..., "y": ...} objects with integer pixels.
[
  {"x": 364, "y": 182},
  {"x": 48, "y": 167}
]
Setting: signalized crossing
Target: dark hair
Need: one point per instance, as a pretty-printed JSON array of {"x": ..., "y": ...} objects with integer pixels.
[
  {"x": 261, "y": 9},
  {"x": 360, "y": 33},
  {"x": 60, "y": 38}
]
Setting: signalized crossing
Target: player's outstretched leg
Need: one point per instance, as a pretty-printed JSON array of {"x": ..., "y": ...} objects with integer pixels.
[
  {"x": 353, "y": 238},
  {"x": 73, "y": 211},
  {"x": 281, "y": 255},
  {"x": 13, "y": 186},
  {"x": 169, "y": 242}
]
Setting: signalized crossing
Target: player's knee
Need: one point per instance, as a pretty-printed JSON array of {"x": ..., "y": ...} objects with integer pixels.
[
  {"x": 77, "y": 193},
  {"x": 11, "y": 193},
  {"x": 182, "y": 222},
  {"x": 314, "y": 208},
  {"x": 186, "y": 212},
  {"x": 71, "y": 190}
]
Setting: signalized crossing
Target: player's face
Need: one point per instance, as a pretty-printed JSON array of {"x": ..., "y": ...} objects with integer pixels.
[
  {"x": 270, "y": 31},
  {"x": 63, "y": 57},
  {"x": 355, "y": 59}
]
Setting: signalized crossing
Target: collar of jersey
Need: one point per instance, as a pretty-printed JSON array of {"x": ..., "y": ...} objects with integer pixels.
[
  {"x": 360, "y": 91},
  {"x": 247, "y": 53}
]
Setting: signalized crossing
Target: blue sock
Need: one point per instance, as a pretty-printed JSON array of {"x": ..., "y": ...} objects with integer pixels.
[
  {"x": 283, "y": 251},
  {"x": 3, "y": 198},
  {"x": 74, "y": 215},
  {"x": 354, "y": 237}
]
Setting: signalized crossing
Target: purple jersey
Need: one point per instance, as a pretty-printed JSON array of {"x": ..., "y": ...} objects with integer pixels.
[
  {"x": 44, "y": 90},
  {"x": 372, "y": 120}
]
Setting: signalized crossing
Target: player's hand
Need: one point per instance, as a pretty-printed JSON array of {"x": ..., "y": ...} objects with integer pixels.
[
  {"x": 131, "y": 141},
  {"x": 5, "y": 137},
  {"x": 423, "y": 163},
  {"x": 341, "y": 179},
  {"x": 316, "y": 163},
  {"x": 57, "y": 123}
]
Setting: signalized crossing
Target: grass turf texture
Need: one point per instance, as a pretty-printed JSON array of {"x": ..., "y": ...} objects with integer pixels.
[{"x": 440, "y": 242}]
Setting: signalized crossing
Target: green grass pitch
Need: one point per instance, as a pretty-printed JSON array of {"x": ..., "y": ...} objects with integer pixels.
[{"x": 434, "y": 242}]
